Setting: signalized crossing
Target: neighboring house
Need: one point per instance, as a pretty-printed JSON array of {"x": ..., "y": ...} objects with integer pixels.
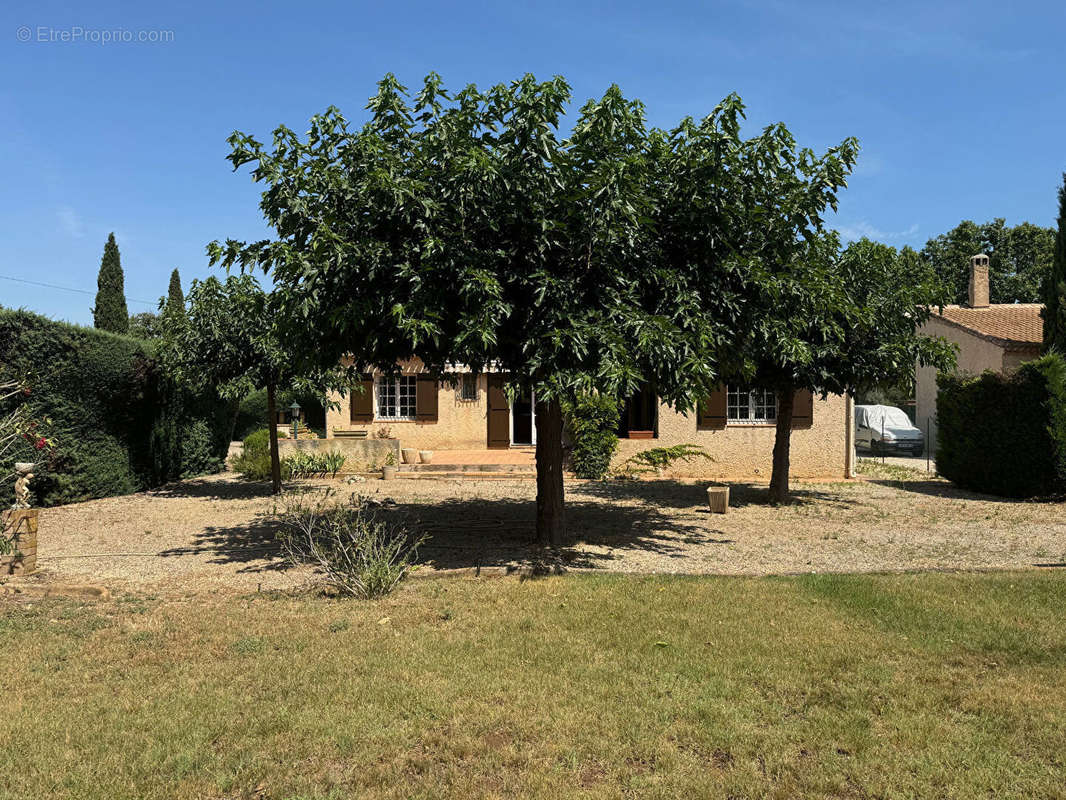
[
  {"x": 997, "y": 337},
  {"x": 467, "y": 411}
]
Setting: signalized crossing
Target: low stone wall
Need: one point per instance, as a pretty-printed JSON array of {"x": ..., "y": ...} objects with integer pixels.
[
  {"x": 22, "y": 522},
  {"x": 360, "y": 455}
]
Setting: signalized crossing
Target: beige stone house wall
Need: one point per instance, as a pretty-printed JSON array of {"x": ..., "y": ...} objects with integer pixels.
[
  {"x": 746, "y": 451},
  {"x": 737, "y": 451},
  {"x": 461, "y": 424}
]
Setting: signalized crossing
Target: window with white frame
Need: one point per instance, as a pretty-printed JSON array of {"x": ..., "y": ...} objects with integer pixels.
[
  {"x": 748, "y": 405},
  {"x": 396, "y": 397}
]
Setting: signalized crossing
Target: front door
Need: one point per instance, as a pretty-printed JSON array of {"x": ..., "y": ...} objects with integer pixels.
[
  {"x": 522, "y": 419},
  {"x": 499, "y": 413}
]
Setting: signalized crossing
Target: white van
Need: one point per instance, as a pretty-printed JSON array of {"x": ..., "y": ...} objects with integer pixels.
[{"x": 887, "y": 429}]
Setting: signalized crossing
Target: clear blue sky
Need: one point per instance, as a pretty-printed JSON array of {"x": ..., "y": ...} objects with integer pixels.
[{"x": 960, "y": 107}]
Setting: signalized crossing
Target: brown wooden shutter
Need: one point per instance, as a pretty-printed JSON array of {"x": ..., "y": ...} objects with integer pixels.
[
  {"x": 499, "y": 413},
  {"x": 803, "y": 409},
  {"x": 362, "y": 402},
  {"x": 712, "y": 411},
  {"x": 426, "y": 398}
]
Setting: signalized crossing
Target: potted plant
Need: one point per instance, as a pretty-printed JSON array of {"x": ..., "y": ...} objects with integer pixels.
[{"x": 388, "y": 472}]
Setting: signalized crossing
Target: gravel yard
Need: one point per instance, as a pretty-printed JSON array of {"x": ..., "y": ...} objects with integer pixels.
[{"x": 216, "y": 533}]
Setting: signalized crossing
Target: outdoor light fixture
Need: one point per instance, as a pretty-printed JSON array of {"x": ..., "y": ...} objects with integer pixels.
[{"x": 295, "y": 409}]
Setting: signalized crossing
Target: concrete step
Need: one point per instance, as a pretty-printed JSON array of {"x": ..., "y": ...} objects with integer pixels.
[{"x": 478, "y": 468}]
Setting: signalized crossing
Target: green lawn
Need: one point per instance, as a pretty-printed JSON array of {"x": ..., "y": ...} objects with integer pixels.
[{"x": 857, "y": 686}]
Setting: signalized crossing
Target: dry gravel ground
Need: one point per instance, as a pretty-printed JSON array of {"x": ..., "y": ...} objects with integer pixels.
[{"x": 216, "y": 533}]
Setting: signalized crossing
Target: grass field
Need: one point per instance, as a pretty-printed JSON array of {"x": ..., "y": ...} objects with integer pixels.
[{"x": 932, "y": 685}]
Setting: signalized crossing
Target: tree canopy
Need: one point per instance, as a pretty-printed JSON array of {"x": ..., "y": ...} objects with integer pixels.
[
  {"x": 469, "y": 228},
  {"x": 110, "y": 312},
  {"x": 226, "y": 340},
  {"x": 1019, "y": 259}
]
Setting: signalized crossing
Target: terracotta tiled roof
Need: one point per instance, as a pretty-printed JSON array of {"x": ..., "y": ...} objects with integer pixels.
[{"x": 1009, "y": 324}]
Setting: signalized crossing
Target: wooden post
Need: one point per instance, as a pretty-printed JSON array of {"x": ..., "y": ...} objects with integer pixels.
[
  {"x": 718, "y": 499},
  {"x": 21, "y": 525}
]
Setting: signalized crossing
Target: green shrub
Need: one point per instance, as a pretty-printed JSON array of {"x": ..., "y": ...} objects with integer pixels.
[
  {"x": 356, "y": 552},
  {"x": 253, "y": 462},
  {"x": 1005, "y": 434},
  {"x": 119, "y": 423},
  {"x": 252, "y": 411},
  {"x": 592, "y": 421}
]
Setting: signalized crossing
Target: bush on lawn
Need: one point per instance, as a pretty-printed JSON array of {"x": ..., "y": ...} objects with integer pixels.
[
  {"x": 357, "y": 553},
  {"x": 1005, "y": 434},
  {"x": 119, "y": 423},
  {"x": 592, "y": 422}
]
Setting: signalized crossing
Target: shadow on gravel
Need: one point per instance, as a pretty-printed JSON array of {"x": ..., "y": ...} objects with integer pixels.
[
  {"x": 252, "y": 544},
  {"x": 945, "y": 489},
  {"x": 667, "y": 493}
]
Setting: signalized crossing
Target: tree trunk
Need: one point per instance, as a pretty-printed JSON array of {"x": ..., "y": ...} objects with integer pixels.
[
  {"x": 551, "y": 521},
  {"x": 782, "y": 443},
  {"x": 272, "y": 426}
]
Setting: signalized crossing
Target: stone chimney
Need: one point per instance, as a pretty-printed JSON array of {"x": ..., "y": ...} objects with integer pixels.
[{"x": 979, "y": 281}]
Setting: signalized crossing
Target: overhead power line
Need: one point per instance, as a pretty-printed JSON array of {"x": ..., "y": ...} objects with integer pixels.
[{"x": 71, "y": 289}]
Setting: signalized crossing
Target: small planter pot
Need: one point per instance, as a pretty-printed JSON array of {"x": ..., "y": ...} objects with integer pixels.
[
  {"x": 21, "y": 525},
  {"x": 426, "y": 456},
  {"x": 410, "y": 455},
  {"x": 388, "y": 473}
]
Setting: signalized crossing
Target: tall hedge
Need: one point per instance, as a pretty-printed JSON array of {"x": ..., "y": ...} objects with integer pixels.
[
  {"x": 121, "y": 426},
  {"x": 1005, "y": 434}
]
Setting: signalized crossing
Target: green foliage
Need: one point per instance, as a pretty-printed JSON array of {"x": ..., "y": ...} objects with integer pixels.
[
  {"x": 1054, "y": 311},
  {"x": 306, "y": 464},
  {"x": 1005, "y": 434},
  {"x": 1019, "y": 259},
  {"x": 657, "y": 459},
  {"x": 120, "y": 423},
  {"x": 592, "y": 420},
  {"x": 357, "y": 553},
  {"x": 463, "y": 228},
  {"x": 252, "y": 412},
  {"x": 145, "y": 325},
  {"x": 253, "y": 462},
  {"x": 175, "y": 297},
  {"x": 109, "y": 312}
]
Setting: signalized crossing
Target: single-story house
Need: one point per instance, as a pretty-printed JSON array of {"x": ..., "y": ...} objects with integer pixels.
[
  {"x": 468, "y": 411},
  {"x": 990, "y": 336}
]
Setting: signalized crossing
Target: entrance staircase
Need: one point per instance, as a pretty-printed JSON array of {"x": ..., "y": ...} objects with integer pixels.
[{"x": 515, "y": 462}]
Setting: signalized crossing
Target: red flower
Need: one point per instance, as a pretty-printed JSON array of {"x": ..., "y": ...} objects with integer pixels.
[{"x": 41, "y": 443}]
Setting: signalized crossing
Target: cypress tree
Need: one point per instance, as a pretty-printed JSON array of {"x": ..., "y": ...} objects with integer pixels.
[
  {"x": 110, "y": 313},
  {"x": 175, "y": 297},
  {"x": 1054, "y": 312}
]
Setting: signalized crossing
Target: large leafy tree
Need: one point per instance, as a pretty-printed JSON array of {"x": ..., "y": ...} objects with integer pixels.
[
  {"x": 468, "y": 229},
  {"x": 227, "y": 341},
  {"x": 1055, "y": 285},
  {"x": 145, "y": 325},
  {"x": 1019, "y": 259},
  {"x": 110, "y": 312},
  {"x": 831, "y": 323}
]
